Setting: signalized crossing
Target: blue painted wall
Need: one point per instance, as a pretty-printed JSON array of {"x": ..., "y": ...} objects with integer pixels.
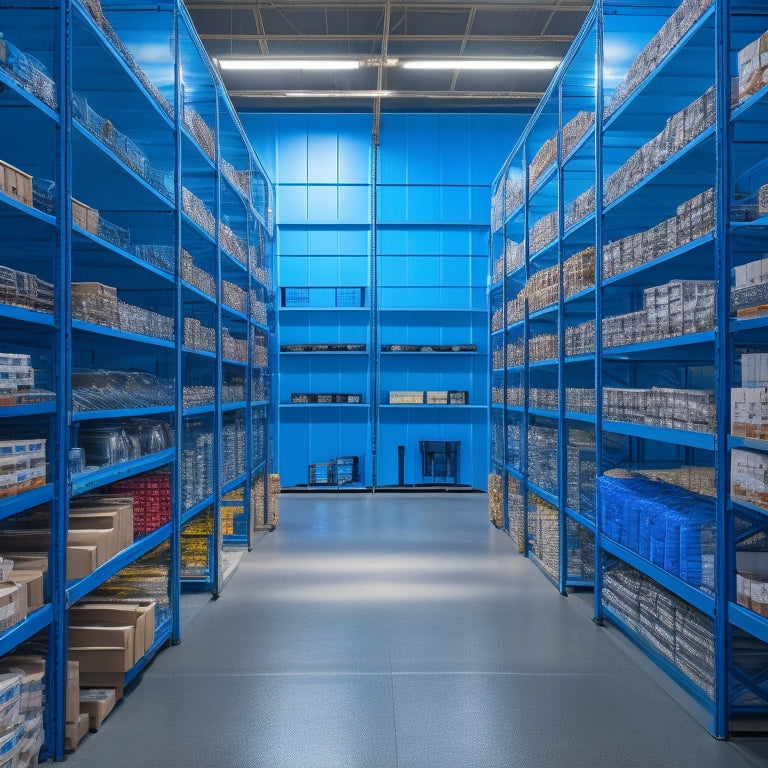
[{"x": 433, "y": 199}]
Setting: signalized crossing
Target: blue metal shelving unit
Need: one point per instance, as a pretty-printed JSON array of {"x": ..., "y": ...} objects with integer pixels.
[
  {"x": 150, "y": 143},
  {"x": 724, "y": 156}
]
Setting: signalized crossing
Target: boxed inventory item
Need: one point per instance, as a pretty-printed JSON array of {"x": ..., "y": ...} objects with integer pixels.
[
  {"x": 102, "y": 666},
  {"x": 72, "y": 706},
  {"x": 105, "y": 511},
  {"x": 10, "y": 746},
  {"x": 85, "y": 217},
  {"x": 16, "y": 184},
  {"x": 33, "y": 581},
  {"x": 140, "y": 616},
  {"x": 753, "y": 63},
  {"x": 749, "y": 477},
  {"x": 82, "y": 560},
  {"x": 74, "y": 732},
  {"x": 97, "y": 703},
  {"x": 401, "y": 397},
  {"x": 10, "y": 699},
  {"x": 752, "y": 581},
  {"x": 32, "y": 668},
  {"x": 103, "y": 636},
  {"x": 13, "y": 604},
  {"x": 458, "y": 397},
  {"x": 95, "y": 303},
  {"x": 348, "y": 398},
  {"x": 436, "y": 396}
]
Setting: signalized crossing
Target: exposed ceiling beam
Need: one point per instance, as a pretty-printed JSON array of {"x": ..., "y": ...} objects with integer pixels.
[
  {"x": 259, "y": 21},
  {"x": 317, "y": 38},
  {"x": 467, "y": 36},
  {"x": 347, "y": 94},
  {"x": 377, "y": 4}
]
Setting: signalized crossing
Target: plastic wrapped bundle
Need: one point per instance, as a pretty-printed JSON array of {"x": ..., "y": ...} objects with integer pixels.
[
  {"x": 27, "y": 71},
  {"x": 661, "y": 522}
]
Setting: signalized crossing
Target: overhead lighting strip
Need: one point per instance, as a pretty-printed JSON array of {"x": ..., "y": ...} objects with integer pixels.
[
  {"x": 267, "y": 63},
  {"x": 484, "y": 64}
]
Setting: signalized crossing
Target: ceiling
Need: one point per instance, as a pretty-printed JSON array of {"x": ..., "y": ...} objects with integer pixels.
[{"x": 374, "y": 31}]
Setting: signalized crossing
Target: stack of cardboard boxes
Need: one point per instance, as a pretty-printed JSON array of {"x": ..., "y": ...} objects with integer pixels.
[
  {"x": 99, "y": 528},
  {"x": 106, "y": 640}
]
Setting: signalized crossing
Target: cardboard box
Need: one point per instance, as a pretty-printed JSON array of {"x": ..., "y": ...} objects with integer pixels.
[
  {"x": 103, "y": 679},
  {"x": 74, "y": 732},
  {"x": 147, "y": 609},
  {"x": 101, "y": 530},
  {"x": 16, "y": 184},
  {"x": 73, "y": 692},
  {"x": 79, "y": 563},
  {"x": 82, "y": 560},
  {"x": 104, "y": 539},
  {"x": 85, "y": 217},
  {"x": 97, "y": 703},
  {"x": 32, "y": 684},
  {"x": 101, "y": 637},
  {"x": 34, "y": 584},
  {"x": 120, "y": 506},
  {"x": 13, "y": 604},
  {"x": 140, "y": 615},
  {"x": 101, "y": 667},
  {"x": 401, "y": 397}
]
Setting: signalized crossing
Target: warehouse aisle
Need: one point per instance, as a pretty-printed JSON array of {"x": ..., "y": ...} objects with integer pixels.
[{"x": 397, "y": 631}]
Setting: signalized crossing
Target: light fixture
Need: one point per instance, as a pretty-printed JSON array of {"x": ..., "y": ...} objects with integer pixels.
[
  {"x": 268, "y": 63},
  {"x": 265, "y": 62},
  {"x": 512, "y": 64}
]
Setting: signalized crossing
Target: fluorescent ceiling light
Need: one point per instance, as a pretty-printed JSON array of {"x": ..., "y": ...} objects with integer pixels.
[
  {"x": 268, "y": 63},
  {"x": 481, "y": 64}
]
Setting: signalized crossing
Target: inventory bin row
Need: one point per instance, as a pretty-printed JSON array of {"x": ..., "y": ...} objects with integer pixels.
[
  {"x": 671, "y": 627},
  {"x": 326, "y": 397},
  {"x": 695, "y": 218},
  {"x": 429, "y": 397}
]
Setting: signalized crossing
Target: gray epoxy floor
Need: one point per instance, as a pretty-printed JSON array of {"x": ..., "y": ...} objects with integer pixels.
[{"x": 397, "y": 631}]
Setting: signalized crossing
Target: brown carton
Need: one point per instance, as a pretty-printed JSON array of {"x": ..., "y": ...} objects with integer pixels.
[
  {"x": 73, "y": 732},
  {"x": 85, "y": 217},
  {"x": 73, "y": 692},
  {"x": 104, "y": 679},
  {"x": 13, "y": 604},
  {"x": 97, "y": 703},
  {"x": 81, "y": 561},
  {"x": 16, "y": 183},
  {"x": 108, "y": 522},
  {"x": 104, "y": 539},
  {"x": 108, "y": 503},
  {"x": 101, "y": 638},
  {"x": 34, "y": 585},
  {"x": 112, "y": 614},
  {"x": 147, "y": 609}
]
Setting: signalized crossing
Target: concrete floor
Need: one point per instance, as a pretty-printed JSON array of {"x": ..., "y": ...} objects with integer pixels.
[{"x": 398, "y": 631}]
